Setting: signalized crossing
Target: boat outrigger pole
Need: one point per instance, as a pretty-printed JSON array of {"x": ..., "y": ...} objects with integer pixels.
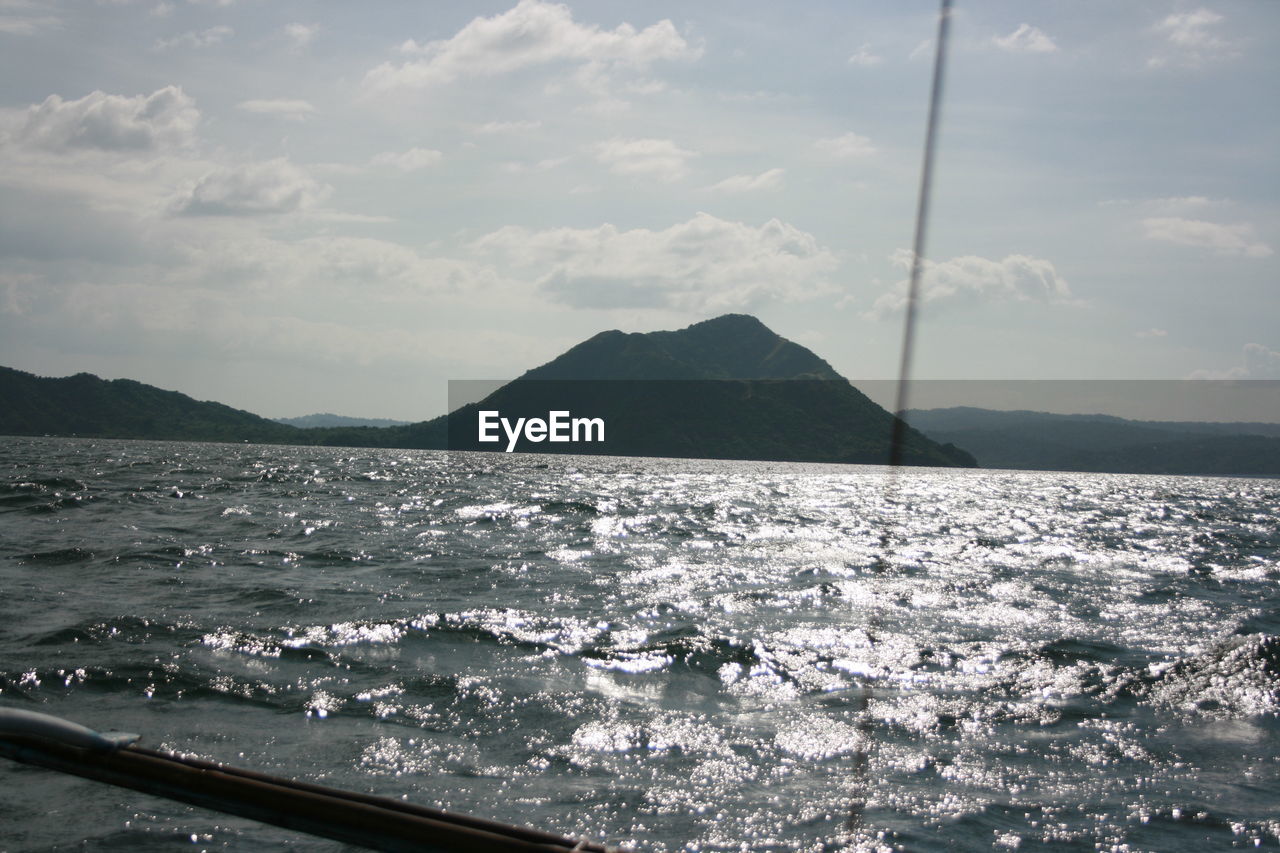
[
  {"x": 375, "y": 823},
  {"x": 898, "y": 438}
]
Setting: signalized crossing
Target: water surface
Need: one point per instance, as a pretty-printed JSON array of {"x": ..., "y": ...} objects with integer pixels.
[{"x": 669, "y": 654}]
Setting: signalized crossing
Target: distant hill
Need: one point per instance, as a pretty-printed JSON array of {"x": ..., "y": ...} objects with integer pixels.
[
  {"x": 87, "y": 406},
  {"x": 724, "y": 388},
  {"x": 1052, "y": 442},
  {"x": 326, "y": 419},
  {"x": 727, "y": 388},
  {"x": 733, "y": 346},
  {"x": 84, "y": 405}
]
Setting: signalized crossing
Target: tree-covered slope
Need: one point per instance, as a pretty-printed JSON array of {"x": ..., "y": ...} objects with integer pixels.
[
  {"x": 725, "y": 388},
  {"x": 1053, "y": 442},
  {"x": 85, "y": 405}
]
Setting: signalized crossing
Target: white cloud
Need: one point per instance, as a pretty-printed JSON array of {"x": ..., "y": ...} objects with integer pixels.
[
  {"x": 19, "y": 291},
  {"x": 369, "y": 269},
  {"x": 647, "y": 87},
  {"x": 274, "y": 186},
  {"x": 1151, "y": 333},
  {"x": 924, "y": 48},
  {"x": 1185, "y": 202},
  {"x": 300, "y": 35},
  {"x": 545, "y": 165},
  {"x": 533, "y": 33},
  {"x": 1191, "y": 39},
  {"x": 408, "y": 161},
  {"x": 1017, "y": 278},
  {"x": 770, "y": 180},
  {"x": 508, "y": 126},
  {"x": 25, "y": 25},
  {"x": 1191, "y": 29},
  {"x": 286, "y": 108},
  {"x": 195, "y": 40},
  {"x": 1260, "y": 362},
  {"x": 1222, "y": 239},
  {"x": 1167, "y": 204},
  {"x": 703, "y": 264},
  {"x": 657, "y": 158},
  {"x": 865, "y": 58},
  {"x": 848, "y": 146},
  {"x": 220, "y": 325},
  {"x": 1025, "y": 39},
  {"x": 165, "y": 118}
]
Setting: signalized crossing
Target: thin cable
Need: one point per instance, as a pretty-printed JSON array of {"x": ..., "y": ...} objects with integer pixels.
[{"x": 918, "y": 244}]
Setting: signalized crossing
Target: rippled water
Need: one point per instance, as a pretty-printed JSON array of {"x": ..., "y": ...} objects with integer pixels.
[{"x": 664, "y": 653}]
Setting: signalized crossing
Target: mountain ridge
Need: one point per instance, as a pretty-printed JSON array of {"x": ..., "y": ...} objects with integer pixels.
[
  {"x": 1046, "y": 441},
  {"x": 731, "y": 346},
  {"x": 728, "y": 387},
  {"x": 724, "y": 388}
]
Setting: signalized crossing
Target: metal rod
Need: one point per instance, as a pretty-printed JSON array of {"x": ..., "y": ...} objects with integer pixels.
[{"x": 376, "y": 823}]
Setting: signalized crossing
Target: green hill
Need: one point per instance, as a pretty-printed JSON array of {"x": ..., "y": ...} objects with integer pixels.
[
  {"x": 1051, "y": 442},
  {"x": 724, "y": 388},
  {"x": 727, "y": 388},
  {"x": 84, "y": 405}
]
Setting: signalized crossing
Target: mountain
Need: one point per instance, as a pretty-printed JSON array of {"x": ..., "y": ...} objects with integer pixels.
[
  {"x": 1052, "y": 442},
  {"x": 326, "y": 419},
  {"x": 733, "y": 346},
  {"x": 727, "y": 388},
  {"x": 85, "y": 405}
]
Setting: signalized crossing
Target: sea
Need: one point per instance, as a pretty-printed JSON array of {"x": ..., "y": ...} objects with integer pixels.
[{"x": 661, "y": 654}]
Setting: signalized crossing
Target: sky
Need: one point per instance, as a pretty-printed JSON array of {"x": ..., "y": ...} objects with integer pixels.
[{"x": 298, "y": 207}]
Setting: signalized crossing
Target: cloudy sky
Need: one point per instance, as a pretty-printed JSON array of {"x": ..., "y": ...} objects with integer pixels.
[{"x": 294, "y": 207}]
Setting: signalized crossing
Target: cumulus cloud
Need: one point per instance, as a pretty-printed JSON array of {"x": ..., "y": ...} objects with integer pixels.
[
  {"x": 286, "y": 108},
  {"x": 655, "y": 158},
  {"x": 165, "y": 118},
  {"x": 273, "y": 186},
  {"x": 847, "y": 147},
  {"x": 1260, "y": 362},
  {"x": 1191, "y": 39},
  {"x": 1025, "y": 39},
  {"x": 1222, "y": 239},
  {"x": 408, "y": 161},
  {"x": 534, "y": 33},
  {"x": 195, "y": 40},
  {"x": 1016, "y": 278},
  {"x": 770, "y": 180},
  {"x": 703, "y": 264}
]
